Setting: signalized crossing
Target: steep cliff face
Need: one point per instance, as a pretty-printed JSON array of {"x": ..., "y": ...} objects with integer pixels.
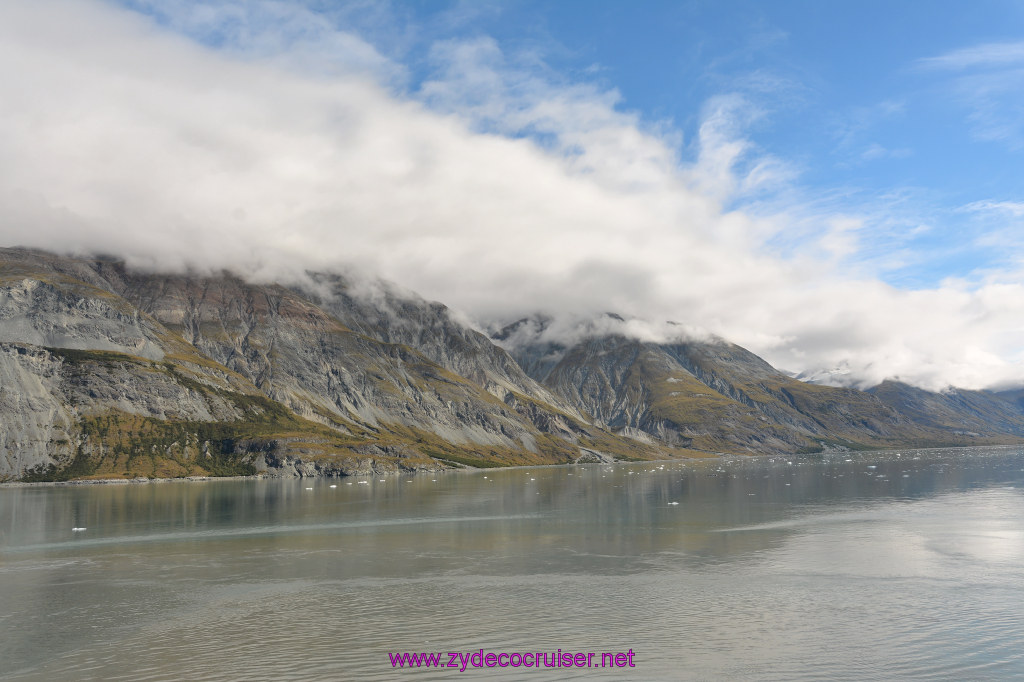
[
  {"x": 63, "y": 313},
  {"x": 385, "y": 314},
  {"x": 37, "y": 425},
  {"x": 94, "y": 386},
  {"x": 72, "y": 350},
  {"x": 299, "y": 354}
]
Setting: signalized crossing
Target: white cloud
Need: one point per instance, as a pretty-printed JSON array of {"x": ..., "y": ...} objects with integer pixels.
[
  {"x": 876, "y": 151},
  {"x": 841, "y": 239},
  {"x": 502, "y": 190},
  {"x": 978, "y": 56},
  {"x": 1012, "y": 208}
]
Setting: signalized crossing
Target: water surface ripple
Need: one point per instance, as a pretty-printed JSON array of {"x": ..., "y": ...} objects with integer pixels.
[{"x": 866, "y": 566}]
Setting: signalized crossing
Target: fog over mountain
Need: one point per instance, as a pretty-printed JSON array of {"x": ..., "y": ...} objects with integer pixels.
[{"x": 493, "y": 184}]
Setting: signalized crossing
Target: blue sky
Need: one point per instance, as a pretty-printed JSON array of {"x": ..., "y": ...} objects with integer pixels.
[
  {"x": 851, "y": 94},
  {"x": 833, "y": 185}
]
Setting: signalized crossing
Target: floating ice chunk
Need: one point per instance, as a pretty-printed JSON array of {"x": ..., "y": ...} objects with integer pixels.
[
  {"x": 308, "y": 488},
  {"x": 673, "y": 504},
  {"x": 76, "y": 529},
  {"x": 872, "y": 466},
  {"x": 333, "y": 486}
]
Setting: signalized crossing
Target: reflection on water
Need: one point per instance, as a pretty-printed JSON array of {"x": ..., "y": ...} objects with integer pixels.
[{"x": 851, "y": 566}]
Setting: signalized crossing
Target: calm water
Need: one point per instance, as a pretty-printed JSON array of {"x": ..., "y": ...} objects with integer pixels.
[{"x": 860, "y": 566}]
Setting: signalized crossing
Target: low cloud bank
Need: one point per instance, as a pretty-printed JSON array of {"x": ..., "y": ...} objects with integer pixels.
[{"x": 495, "y": 189}]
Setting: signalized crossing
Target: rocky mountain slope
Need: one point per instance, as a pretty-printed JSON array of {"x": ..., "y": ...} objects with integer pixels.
[
  {"x": 115, "y": 373},
  {"x": 714, "y": 395},
  {"x": 108, "y": 372}
]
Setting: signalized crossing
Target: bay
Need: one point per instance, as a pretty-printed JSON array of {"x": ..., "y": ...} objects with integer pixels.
[{"x": 845, "y": 566}]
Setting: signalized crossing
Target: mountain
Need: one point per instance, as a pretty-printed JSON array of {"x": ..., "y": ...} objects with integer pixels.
[
  {"x": 111, "y": 372},
  {"x": 957, "y": 411},
  {"x": 108, "y": 372},
  {"x": 403, "y": 318},
  {"x": 714, "y": 395}
]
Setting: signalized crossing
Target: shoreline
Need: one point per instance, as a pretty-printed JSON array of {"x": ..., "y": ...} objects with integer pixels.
[
  {"x": 130, "y": 481},
  {"x": 265, "y": 476}
]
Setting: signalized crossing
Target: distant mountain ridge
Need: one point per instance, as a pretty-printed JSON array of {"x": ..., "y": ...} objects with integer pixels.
[
  {"x": 718, "y": 396},
  {"x": 107, "y": 372}
]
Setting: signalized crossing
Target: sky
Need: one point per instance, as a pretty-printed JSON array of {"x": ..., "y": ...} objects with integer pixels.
[{"x": 835, "y": 186}]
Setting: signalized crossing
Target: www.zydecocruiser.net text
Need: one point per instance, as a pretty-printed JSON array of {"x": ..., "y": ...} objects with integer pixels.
[{"x": 516, "y": 659}]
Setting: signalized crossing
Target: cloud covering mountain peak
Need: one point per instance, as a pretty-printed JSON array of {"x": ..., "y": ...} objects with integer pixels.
[{"x": 493, "y": 184}]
